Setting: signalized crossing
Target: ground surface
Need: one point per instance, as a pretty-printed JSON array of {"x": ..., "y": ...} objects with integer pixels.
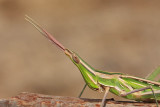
[{"x": 39, "y": 100}]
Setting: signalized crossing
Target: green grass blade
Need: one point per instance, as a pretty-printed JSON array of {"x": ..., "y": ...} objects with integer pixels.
[{"x": 154, "y": 74}]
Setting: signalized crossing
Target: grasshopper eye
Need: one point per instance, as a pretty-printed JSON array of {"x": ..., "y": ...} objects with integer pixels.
[{"x": 75, "y": 58}]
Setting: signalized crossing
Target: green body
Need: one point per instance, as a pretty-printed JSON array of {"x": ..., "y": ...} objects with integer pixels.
[{"x": 117, "y": 83}]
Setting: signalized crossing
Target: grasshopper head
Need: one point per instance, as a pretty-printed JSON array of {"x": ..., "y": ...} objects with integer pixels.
[{"x": 73, "y": 56}]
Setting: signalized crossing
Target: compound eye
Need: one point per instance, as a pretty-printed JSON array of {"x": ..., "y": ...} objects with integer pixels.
[{"x": 75, "y": 58}]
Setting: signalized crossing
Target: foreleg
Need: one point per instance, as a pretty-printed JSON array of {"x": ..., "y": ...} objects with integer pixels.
[{"x": 82, "y": 90}]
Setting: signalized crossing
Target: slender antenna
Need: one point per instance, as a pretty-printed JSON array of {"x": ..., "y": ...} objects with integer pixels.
[{"x": 44, "y": 32}]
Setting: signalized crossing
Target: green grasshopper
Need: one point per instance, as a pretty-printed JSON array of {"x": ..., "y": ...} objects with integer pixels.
[{"x": 126, "y": 86}]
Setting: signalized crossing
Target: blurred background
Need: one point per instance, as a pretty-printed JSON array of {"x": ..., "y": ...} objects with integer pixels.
[{"x": 117, "y": 36}]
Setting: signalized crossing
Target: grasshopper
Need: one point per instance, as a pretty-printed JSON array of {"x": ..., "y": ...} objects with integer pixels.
[{"x": 126, "y": 86}]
